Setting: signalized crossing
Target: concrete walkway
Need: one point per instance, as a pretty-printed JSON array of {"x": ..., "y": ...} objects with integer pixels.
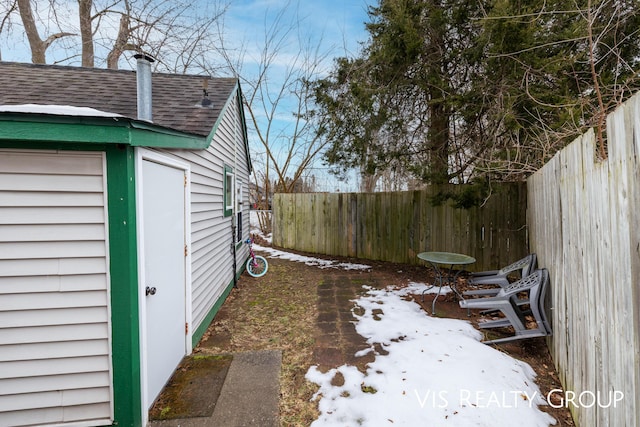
[{"x": 249, "y": 395}]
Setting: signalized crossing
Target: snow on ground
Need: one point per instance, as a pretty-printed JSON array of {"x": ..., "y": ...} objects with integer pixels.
[
  {"x": 436, "y": 373},
  {"x": 254, "y": 224},
  {"x": 311, "y": 261}
]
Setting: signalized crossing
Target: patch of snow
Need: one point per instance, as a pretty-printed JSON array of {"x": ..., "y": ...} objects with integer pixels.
[
  {"x": 435, "y": 372},
  {"x": 60, "y": 110},
  {"x": 311, "y": 261},
  {"x": 422, "y": 288},
  {"x": 254, "y": 226}
]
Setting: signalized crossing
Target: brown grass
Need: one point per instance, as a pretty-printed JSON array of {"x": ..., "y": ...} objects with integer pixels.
[
  {"x": 275, "y": 312},
  {"x": 279, "y": 312}
]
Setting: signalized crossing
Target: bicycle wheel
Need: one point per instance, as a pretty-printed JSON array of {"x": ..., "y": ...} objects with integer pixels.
[{"x": 257, "y": 267}]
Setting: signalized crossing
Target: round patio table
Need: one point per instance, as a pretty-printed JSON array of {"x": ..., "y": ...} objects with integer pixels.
[{"x": 439, "y": 260}]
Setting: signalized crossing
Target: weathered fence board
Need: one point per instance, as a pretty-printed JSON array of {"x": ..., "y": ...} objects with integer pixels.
[
  {"x": 397, "y": 226},
  {"x": 584, "y": 225}
]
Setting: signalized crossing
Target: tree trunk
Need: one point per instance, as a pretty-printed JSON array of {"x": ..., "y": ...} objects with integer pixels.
[
  {"x": 368, "y": 182},
  {"x": 37, "y": 45},
  {"x": 86, "y": 32},
  {"x": 438, "y": 135},
  {"x": 437, "y": 87},
  {"x": 120, "y": 44}
]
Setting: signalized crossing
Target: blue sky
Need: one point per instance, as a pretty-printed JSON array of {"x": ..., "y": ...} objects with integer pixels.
[
  {"x": 338, "y": 27},
  {"x": 339, "y": 23},
  {"x": 335, "y": 27}
]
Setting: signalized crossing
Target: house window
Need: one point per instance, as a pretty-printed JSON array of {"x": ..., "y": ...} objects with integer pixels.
[
  {"x": 239, "y": 211},
  {"x": 229, "y": 191}
]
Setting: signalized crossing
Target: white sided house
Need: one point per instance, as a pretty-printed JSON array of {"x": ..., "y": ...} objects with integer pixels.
[{"x": 124, "y": 203}]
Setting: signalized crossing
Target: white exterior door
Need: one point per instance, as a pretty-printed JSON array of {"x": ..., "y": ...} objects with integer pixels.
[{"x": 164, "y": 278}]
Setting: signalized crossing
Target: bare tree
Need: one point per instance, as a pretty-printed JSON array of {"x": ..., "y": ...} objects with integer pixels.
[
  {"x": 277, "y": 98},
  {"x": 6, "y": 10},
  {"x": 121, "y": 43},
  {"x": 170, "y": 31},
  {"x": 176, "y": 33},
  {"x": 86, "y": 32},
  {"x": 37, "y": 44}
]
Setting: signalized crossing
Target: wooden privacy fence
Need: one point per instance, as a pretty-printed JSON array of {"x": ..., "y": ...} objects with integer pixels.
[
  {"x": 584, "y": 223},
  {"x": 397, "y": 226}
]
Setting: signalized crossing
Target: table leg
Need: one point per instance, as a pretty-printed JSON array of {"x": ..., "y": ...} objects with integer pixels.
[
  {"x": 426, "y": 290},
  {"x": 452, "y": 284},
  {"x": 433, "y": 304}
]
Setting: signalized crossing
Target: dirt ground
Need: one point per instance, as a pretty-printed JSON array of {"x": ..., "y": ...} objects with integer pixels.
[{"x": 305, "y": 312}]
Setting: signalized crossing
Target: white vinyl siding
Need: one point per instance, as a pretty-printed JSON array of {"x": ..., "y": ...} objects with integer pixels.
[
  {"x": 211, "y": 233},
  {"x": 55, "y": 359}
]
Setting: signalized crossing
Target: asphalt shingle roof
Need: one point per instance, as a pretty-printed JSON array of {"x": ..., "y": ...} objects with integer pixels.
[{"x": 174, "y": 96}]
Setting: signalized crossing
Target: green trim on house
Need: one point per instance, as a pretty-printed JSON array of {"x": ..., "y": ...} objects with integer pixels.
[
  {"x": 125, "y": 319},
  {"x": 226, "y": 203},
  {"x": 123, "y": 271},
  {"x": 118, "y": 137},
  {"x": 147, "y": 135},
  {"x": 221, "y": 117},
  {"x": 238, "y": 96},
  {"x": 245, "y": 134},
  {"x": 202, "y": 328},
  {"x": 94, "y": 130},
  {"x": 39, "y": 145},
  {"x": 60, "y": 130}
]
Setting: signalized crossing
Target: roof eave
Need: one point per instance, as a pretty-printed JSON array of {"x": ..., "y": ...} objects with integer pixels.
[
  {"x": 149, "y": 135},
  {"x": 94, "y": 130},
  {"x": 237, "y": 93}
]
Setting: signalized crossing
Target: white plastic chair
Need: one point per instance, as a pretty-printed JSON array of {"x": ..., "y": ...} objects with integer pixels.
[
  {"x": 508, "y": 302},
  {"x": 500, "y": 277}
]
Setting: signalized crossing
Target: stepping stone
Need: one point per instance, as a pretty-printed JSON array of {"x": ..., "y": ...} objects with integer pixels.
[{"x": 249, "y": 396}]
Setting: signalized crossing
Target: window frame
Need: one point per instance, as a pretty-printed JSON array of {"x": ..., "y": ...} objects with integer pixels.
[
  {"x": 228, "y": 191},
  {"x": 239, "y": 202}
]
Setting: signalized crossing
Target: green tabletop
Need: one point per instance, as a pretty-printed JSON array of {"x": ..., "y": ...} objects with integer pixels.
[{"x": 446, "y": 258}]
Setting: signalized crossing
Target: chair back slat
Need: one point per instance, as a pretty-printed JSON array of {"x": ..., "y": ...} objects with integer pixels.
[
  {"x": 507, "y": 301},
  {"x": 526, "y": 264},
  {"x": 525, "y": 283}
]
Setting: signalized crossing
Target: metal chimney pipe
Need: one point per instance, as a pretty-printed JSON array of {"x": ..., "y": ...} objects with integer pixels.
[{"x": 143, "y": 75}]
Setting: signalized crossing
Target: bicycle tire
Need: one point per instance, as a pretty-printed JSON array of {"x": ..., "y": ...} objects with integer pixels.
[{"x": 260, "y": 267}]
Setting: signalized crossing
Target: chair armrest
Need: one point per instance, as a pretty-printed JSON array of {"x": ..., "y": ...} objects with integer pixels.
[
  {"x": 484, "y": 273},
  {"x": 497, "y": 280},
  {"x": 484, "y": 303}
]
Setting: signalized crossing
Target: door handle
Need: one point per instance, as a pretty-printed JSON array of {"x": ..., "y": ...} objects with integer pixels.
[{"x": 150, "y": 291}]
